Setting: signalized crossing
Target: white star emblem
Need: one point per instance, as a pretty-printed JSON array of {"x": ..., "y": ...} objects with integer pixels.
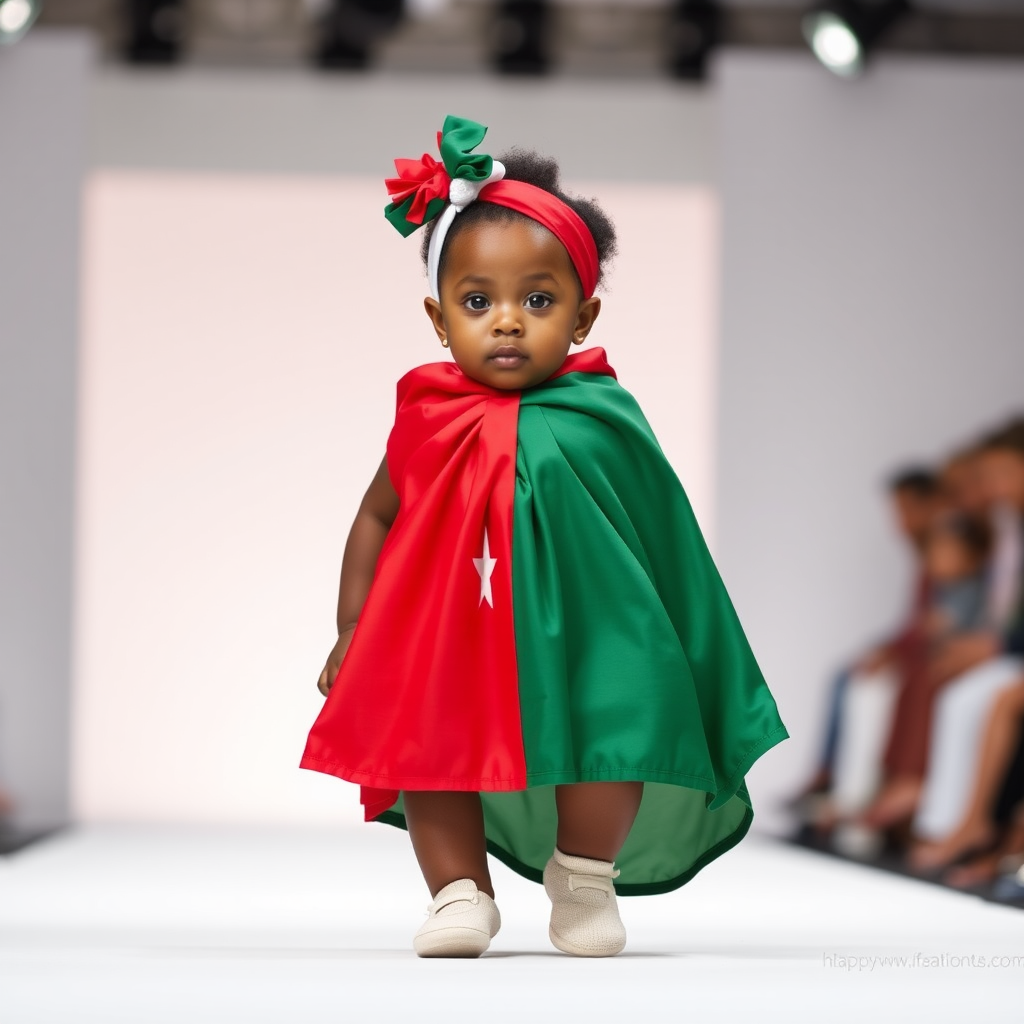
[{"x": 485, "y": 566}]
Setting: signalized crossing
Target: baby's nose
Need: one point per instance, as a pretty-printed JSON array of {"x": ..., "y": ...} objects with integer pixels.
[{"x": 507, "y": 321}]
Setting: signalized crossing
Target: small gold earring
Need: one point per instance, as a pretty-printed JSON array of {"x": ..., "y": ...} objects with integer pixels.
[{"x": 444, "y": 342}]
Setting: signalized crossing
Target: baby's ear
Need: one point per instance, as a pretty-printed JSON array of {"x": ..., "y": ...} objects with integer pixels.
[
  {"x": 433, "y": 309},
  {"x": 589, "y": 311}
]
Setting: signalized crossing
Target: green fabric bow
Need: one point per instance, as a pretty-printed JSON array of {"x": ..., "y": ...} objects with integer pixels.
[
  {"x": 420, "y": 191},
  {"x": 455, "y": 140}
]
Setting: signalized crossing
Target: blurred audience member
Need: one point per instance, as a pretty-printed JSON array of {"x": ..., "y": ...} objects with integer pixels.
[
  {"x": 939, "y": 709},
  {"x": 998, "y": 482},
  {"x": 954, "y": 562},
  {"x": 997, "y": 791},
  {"x": 977, "y": 670},
  {"x": 962, "y": 484},
  {"x": 955, "y": 558},
  {"x": 916, "y": 501}
]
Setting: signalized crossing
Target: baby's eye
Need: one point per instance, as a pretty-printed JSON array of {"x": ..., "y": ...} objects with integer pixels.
[
  {"x": 538, "y": 300},
  {"x": 477, "y": 302}
]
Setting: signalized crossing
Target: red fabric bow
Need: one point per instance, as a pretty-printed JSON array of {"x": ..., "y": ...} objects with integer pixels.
[{"x": 424, "y": 179}]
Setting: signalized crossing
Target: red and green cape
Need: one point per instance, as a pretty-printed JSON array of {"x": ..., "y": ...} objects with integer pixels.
[{"x": 545, "y": 611}]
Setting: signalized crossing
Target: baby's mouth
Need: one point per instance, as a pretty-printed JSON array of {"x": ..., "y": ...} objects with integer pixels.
[{"x": 508, "y": 356}]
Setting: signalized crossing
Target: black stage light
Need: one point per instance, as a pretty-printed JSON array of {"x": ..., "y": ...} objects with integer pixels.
[
  {"x": 155, "y": 31},
  {"x": 349, "y": 28},
  {"x": 692, "y": 33},
  {"x": 16, "y": 17},
  {"x": 841, "y": 32},
  {"x": 520, "y": 37}
]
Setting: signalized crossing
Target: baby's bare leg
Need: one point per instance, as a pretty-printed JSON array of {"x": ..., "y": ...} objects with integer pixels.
[
  {"x": 447, "y": 831},
  {"x": 594, "y": 818}
]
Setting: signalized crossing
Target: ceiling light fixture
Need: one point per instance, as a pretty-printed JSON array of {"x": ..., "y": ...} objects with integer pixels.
[
  {"x": 16, "y": 18},
  {"x": 841, "y": 33}
]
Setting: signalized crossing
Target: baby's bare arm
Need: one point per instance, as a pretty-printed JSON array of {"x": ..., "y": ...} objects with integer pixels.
[{"x": 377, "y": 512}]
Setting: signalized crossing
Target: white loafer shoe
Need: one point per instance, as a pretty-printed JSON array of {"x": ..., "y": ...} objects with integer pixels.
[
  {"x": 462, "y": 922},
  {"x": 584, "y": 916}
]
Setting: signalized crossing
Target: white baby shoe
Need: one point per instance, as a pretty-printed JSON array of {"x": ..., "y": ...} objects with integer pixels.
[
  {"x": 584, "y": 916},
  {"x": 462, "y": 922}
]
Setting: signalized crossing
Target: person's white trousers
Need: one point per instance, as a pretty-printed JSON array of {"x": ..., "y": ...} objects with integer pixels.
[
  {"x": 864, "y": 722},
  {"x": 958, "y": 727}
]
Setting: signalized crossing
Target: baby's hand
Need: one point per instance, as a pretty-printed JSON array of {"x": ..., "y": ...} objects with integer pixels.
[{"x": 334, "y": 660}]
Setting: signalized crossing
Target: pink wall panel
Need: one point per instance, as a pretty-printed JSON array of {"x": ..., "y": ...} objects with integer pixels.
[{"x": 242, "y": 339}]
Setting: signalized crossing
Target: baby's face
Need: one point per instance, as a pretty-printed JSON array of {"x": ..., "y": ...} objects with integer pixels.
[{"x": 510, "y": 304}]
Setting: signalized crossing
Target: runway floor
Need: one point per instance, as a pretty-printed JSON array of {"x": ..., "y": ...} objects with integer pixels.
[{"x": 146, "y": 925}]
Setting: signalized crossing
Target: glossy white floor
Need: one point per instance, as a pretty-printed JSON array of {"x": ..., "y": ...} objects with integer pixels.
[{"x": 147, "y": 925}]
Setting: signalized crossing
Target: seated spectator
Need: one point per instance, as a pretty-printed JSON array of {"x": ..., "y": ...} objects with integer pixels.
[
  {"x": 962, "y": 483},
  {"x": 926, "y": 731},
  {"x": 974, "y": 668},
  {"x": 916, "y": 501},
  {"x": 997, "y": 792},
  {"x": 952, "y": 570},
  {"x": 955, "y": 558},
  {"x": 980, "y": 510}
]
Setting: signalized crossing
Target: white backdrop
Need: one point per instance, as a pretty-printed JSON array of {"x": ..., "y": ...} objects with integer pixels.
[
  {"x": 873, "y": 248},
  {"x": 42, "y": 160},
  {"x": 242, "y": 340}
]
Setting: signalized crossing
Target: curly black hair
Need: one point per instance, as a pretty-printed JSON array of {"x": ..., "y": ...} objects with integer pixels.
[{"x": 541, "y": 171}]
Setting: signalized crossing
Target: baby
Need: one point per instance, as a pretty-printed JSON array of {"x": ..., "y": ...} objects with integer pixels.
[{"x": 536, "y": 656}]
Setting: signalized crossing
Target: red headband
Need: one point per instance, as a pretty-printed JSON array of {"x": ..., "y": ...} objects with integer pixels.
[
  {"x": 561, "y": 220},
  {"x": 426, "y": 189}
]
